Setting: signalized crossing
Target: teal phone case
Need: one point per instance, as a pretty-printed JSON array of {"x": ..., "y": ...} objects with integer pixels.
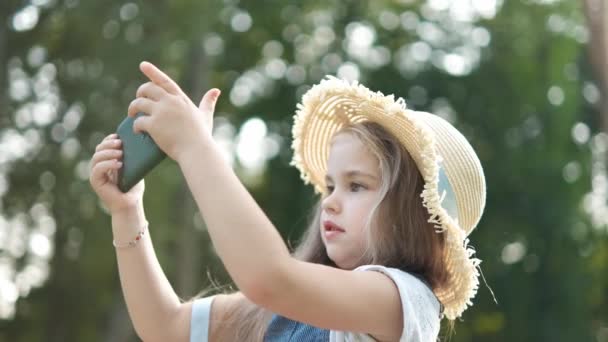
[{"x": 140, "y": 154}]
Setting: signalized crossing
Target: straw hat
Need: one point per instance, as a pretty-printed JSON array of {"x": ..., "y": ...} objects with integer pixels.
[{"x": 454, "y": 191}]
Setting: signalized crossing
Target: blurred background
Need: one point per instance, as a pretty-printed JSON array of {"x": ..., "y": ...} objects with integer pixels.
[{"x": 524, "y": 80}]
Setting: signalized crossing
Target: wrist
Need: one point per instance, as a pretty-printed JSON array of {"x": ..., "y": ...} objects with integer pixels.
[
  {"x": 129, "y": 211},
  {"x": 127, "y": 221},
  {"x": 194, "y": 150}
]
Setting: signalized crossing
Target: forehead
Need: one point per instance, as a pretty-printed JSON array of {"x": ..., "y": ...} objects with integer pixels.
[{"x": 347, "y": 153}]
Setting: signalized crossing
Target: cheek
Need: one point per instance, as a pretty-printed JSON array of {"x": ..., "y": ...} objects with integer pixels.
[
  {"x": 362, "y": 215},
  {"x": 360, "y": 219},
  {"x": 363, "y": 208}
]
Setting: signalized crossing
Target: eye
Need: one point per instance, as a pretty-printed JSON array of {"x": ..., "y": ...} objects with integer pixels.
[
  {"x": 356, "y": 186},
  {"x": 329, "y": 189}
]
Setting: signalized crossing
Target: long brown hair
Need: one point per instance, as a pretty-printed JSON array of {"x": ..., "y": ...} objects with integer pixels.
[{"x": 399, "y": 234}]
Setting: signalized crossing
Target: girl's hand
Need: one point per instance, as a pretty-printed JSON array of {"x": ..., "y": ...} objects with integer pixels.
[
  {"x": 171, "y": 119},
  {"x": 105, "y": 164}
]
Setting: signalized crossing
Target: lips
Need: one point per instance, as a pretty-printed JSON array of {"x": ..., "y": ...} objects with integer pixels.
[{"x": 332, "y": 227}]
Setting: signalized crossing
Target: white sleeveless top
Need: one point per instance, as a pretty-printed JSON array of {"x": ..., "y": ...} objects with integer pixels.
[{"x": 421, "y": 311}]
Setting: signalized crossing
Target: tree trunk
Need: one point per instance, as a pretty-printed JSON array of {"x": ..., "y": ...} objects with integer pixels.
[
  {"x": 188, "y": 255},
  {"x": 4, "y": 117},
  {"x": 596, "y": 12}
]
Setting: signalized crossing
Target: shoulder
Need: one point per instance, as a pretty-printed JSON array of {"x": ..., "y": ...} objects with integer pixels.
[
  {"x": 403, "y": 280},
  {"x": 419, "y": 305}
]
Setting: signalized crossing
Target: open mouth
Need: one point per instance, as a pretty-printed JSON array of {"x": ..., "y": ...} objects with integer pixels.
[{"x": 332, "y": 227}]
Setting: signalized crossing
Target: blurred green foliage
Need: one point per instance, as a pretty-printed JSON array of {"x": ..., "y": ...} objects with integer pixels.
[{"x": 512, "y": 75}]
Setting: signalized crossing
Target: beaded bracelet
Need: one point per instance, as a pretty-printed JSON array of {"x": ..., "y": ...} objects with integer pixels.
[{"x": 133, "y": 242}]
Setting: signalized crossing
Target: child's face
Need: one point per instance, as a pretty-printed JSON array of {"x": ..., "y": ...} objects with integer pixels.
[{"x": 353, "y": 185}]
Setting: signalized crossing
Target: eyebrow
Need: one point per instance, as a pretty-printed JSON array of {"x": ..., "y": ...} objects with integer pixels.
[{"x": 352, "y": 174}]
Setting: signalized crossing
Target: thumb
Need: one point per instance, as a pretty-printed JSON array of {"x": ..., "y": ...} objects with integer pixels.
[
  {"x": 141, "y": 124},
  {"x": 209, "y": 100}
]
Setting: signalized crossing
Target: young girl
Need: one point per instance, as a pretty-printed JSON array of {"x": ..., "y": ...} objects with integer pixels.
[{"x": 384, "y": 259}]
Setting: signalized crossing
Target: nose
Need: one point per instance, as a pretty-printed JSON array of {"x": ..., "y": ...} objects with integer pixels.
[{"x": 331, "y": 203}]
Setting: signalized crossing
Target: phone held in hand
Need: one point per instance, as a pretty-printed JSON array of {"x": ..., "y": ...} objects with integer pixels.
[{"x": 140, "y": 154}]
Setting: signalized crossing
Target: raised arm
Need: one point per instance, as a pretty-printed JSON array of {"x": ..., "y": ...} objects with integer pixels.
[
  {"x": 152, "y": 304},
  {"x": 155, "y": 309},
  {"x": 259, "y": 263}
]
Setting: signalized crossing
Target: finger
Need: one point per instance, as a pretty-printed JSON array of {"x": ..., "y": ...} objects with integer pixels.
[
  {"x": 209, "y": 100},
  {"x": 113, "y": 176},
  {"x": 99, "y": 172},
  {"x": 108, "y": 144},
  {"x": 141, "y": 105},
  {"x": 150, "y": 91},
  {"x": 110, "y": 136},
  {"x": 159, "y": 78},
  {"x": 141, "y": 124},
  {"x": 106, "y": 155}
]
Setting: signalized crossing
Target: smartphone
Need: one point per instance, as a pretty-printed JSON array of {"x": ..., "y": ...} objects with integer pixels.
[{"x": 140, "y": 154}]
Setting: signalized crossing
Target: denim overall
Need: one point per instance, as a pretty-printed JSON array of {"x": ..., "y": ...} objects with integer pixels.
[{"x": 282, "y": 329}]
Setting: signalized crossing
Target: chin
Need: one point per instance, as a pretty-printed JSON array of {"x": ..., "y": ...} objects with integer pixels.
[{"x": 340, "y": 262}]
